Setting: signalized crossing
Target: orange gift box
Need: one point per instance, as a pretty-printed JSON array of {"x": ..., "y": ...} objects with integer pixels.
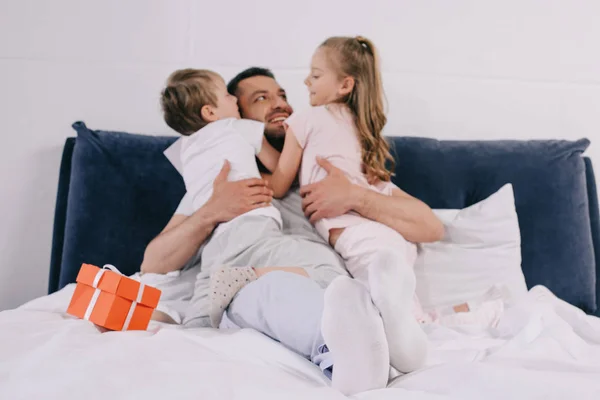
[{"x": 111, "y": 300}]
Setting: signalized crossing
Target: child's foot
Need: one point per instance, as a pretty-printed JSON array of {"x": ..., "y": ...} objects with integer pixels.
[
  {"x": 353, "y": 332},
  {"x": 486, "y": 315},
  {"x": 494, "y": 293},
  {"x": 225, "y": 282}
]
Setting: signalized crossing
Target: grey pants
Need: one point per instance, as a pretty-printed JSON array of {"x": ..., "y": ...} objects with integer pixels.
[
  {"x": 286, "y": 307},
  {"x": 257, "y": 241}
]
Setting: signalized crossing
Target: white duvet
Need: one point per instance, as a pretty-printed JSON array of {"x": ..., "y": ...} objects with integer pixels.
[{"x": 542, "y": 349}]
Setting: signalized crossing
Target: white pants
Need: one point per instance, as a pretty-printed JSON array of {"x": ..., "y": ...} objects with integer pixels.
[
  {"x": 369, "y": 244},
  {"x": 375, "y": 251}
]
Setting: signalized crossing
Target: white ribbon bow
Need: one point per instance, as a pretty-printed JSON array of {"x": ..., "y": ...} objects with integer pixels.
[{"x": 90, "y": 307}]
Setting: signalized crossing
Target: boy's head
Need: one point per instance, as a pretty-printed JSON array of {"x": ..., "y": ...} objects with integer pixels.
[{"x": 194, "y": 98}]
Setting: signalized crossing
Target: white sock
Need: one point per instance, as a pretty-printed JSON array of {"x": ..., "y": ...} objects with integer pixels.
[
  {"x": 392, "y": 288},
  {"x": 225, "y": 282},
  {"x": 353, "y": 332}
]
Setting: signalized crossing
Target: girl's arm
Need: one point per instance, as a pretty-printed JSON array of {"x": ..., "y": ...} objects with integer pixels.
[
  {"x": 268, "y": 155},
  {"x": 287, "y": 168}
]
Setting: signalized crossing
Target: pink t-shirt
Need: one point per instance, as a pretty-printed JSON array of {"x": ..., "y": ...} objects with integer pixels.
[{"x": 329, "y": 132}]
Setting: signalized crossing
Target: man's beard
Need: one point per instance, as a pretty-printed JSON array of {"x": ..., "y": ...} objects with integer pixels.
[
  {"x": 275, "y": 131},
  {"x": 277, "y": 142}
]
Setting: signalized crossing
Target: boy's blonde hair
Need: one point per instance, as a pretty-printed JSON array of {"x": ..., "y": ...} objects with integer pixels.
[
  {"x": 187, "y": 91},
  {"x": 358, "y": 58}
]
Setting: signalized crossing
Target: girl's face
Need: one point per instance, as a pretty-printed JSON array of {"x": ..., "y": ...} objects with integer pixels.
[{"x": 324, "y": 84}]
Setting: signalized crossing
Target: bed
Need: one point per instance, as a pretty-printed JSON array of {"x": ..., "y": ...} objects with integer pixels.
[{"x": 116, "y": 191}]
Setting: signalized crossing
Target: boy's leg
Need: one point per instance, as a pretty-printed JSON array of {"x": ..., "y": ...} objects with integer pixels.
[
  {"x": 176, "y": 289},
  {"x": 257, "y": 241},
  {"x": 226, "y": 282},
  {"x": 161, "y": 316}
]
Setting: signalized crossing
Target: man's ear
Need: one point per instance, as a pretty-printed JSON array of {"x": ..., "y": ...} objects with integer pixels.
[
  {"x": 347, "y": 86},
  {"x": 207, "y": 112}
]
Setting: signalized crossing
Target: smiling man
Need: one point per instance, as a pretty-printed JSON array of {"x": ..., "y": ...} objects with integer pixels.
[
  {"x": 287, "y": 307},
  {"x": 261, "y": 99}
]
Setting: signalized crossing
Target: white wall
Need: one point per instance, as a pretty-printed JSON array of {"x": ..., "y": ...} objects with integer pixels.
[{"x": 453, "y": 69}]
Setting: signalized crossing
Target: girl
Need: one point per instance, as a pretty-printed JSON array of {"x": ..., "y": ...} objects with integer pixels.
[{"x": 345, "y": 127}]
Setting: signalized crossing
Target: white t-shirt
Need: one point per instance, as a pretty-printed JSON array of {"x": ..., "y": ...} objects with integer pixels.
[{"x": 199, "y": 158}]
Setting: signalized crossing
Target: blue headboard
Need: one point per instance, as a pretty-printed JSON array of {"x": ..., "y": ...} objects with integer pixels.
[{"x": 116, "y": 191}]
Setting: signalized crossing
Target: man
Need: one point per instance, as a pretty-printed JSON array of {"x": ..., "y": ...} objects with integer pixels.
[{"x": 287, "y": 307}]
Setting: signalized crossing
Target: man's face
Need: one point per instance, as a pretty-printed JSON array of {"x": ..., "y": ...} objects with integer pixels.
[{"x": 262, "y": 99}]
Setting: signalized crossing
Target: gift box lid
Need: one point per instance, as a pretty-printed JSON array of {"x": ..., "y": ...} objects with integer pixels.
[{"x": 110, "y": 280}]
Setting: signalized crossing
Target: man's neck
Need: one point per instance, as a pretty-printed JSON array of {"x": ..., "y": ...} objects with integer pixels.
[{"x": 277, "y": 143}]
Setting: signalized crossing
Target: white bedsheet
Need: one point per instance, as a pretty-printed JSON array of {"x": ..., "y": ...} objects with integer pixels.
[{"x": 542, "y": 349}]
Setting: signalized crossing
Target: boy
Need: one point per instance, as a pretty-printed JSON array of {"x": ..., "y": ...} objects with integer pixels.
[{"x": 196, "y": 104}]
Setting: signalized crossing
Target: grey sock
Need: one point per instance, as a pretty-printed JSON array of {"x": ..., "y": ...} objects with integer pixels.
[{"x": 225, "y": 282}]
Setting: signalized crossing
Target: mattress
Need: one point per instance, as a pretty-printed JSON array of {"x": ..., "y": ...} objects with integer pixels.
[{"x": 542, "y": 348}]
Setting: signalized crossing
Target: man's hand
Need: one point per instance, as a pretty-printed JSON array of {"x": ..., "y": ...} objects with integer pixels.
[
  {"x": 231, "y": 199},
  {"x": 329, "y": 198}
]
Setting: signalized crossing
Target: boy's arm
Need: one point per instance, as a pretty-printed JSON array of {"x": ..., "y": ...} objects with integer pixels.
[
  {"x": 268, "y": 155},
  {"x": 287, "y": 167},
  {"x": 183, "y": 235}
]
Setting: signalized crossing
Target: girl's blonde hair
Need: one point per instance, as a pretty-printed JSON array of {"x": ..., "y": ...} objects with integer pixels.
[{"x": 358, "y": 58}]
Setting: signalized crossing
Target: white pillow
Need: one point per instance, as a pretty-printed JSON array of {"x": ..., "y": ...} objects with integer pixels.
[{"x": 481, "y": 248}]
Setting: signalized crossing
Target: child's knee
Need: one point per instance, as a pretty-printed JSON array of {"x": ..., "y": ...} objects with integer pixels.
[
  {"x": 390, "y": 264},
  {"x": 284, "y": 282}
]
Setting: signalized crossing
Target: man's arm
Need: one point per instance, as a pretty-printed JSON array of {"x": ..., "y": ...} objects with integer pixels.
[
  {"x": 183, "y": 235},
  {"x": 178, "y": 242},
  {"x": 405, "y": 214},
  {"x": 336, "y": 195}
]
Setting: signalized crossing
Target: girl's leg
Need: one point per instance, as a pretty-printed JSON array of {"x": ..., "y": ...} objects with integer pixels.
[
  {"x": 353, "y": 331},
  {"x": 379, "y": 257}
]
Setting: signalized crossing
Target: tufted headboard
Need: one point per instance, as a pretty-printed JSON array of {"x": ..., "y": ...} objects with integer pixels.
[{"x": 116, "y": 191}]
